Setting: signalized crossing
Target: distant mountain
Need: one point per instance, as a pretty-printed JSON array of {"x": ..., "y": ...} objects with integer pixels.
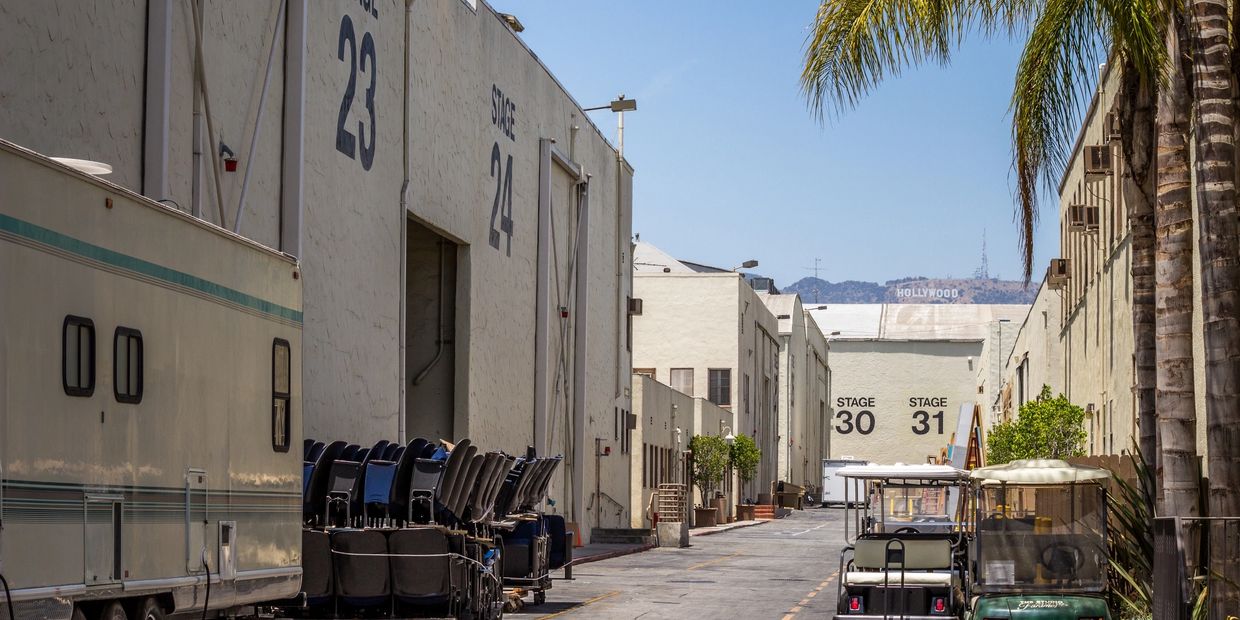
[{"x": 914, "y": 290}]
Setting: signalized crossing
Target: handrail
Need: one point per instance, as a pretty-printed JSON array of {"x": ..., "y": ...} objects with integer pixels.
[{"x": 887, "y": 579}]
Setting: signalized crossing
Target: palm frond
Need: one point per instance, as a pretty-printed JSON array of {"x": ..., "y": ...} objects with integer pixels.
[
  {"x": 1054, "y": 79},
  {"x": 856, "y": 44}
]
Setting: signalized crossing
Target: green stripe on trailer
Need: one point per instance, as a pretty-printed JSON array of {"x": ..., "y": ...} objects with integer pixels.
[{"x": 136, "y": 265}]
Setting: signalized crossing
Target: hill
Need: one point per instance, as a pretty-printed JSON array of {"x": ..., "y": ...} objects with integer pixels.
[{"x": 914, "y": 290}]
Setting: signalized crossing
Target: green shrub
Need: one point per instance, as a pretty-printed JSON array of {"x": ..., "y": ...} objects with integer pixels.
[{"x": 1046, "y": 428}]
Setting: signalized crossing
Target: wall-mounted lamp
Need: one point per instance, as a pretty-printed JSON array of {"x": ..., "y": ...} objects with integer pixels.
[{"x": 619, "y": 106}]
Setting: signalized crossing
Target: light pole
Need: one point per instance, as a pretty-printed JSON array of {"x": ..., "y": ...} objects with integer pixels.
[
  {"x": 749, "y": 264},
  {"x": 619, "y": 106}
]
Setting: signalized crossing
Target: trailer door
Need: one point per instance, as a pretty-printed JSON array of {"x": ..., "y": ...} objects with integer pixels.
[{"x": 102, "y": 536}]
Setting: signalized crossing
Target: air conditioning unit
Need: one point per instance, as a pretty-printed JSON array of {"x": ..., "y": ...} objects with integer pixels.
[
  {"x": 1111, "y": 129},
  {"x": 1057, "y": 273},
  {"x": 635, "y": 306},
  {"x": 1082, "y": 218},
  {"x": 1097, "y": 160},
  {"x": 1091, "y": 219}
]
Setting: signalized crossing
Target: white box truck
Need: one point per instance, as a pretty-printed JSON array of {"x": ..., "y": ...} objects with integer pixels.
[{"x": 833, "y": 485}]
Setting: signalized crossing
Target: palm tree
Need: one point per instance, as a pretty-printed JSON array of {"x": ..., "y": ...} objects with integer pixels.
[
  {"x": 855, "y": 43},
  {"x": 1177, "y": 416},
  {"x": 1215, "y": 127},
  {"x": 1135, "y": 106}
]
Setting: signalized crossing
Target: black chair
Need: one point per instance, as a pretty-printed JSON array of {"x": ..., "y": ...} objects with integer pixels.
[
  {"x": 424, "y": 583},
  {"x": 314, "y": 501},
  {"x": 316, "y": 565},
  {"x": 424, "y": 481},
  {"x": 452, "y": 472},
  {"x": 360, "y": 568},
  {"x": 339, "y": 503},
  {"x": 315, "y": 451}
]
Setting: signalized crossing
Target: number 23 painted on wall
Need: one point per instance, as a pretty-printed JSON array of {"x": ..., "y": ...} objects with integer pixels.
[{"x": 359, "y": 60}]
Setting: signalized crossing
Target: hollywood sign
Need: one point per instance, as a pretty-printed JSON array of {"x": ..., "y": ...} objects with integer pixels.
[{"x": 937, "y": 293}]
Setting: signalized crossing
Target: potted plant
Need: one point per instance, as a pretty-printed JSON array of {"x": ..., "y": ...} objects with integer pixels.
[
  {"x": 710, "y": 460},
  {"x": 744, "y": 456}
]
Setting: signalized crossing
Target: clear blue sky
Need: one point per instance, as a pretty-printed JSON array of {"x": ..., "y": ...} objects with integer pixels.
[{"x": 731, "y": 165}]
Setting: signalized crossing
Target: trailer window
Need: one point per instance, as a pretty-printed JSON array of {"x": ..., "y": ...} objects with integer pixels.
[
  {"x": 281, "y": 379},
  {"x": 77, "y": 360},
  {"x": 127, "y": 366}
]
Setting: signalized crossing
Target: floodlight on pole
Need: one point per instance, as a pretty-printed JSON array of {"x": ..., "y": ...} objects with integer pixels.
[
  {"x": 619, "y": 106},
  {"x": 749, "y": 264}
]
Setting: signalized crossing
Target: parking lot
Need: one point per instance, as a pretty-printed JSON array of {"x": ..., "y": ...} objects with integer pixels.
[{"x": 780, "y": 569}]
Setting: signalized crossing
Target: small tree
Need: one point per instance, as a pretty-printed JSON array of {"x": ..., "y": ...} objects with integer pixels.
[
  {"x": 1046, "y": 428},
  {"x": 745, "y": 457},
  {"x": 710, "y": 461}
]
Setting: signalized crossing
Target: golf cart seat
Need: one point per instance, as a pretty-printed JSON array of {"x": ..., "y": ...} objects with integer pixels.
[{"x": 882, "y": 560}]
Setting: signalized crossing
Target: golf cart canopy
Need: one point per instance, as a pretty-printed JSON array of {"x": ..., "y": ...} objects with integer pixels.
[
  {"x": 900, "y": 471},
  {"x": 1039, "y": 471}
]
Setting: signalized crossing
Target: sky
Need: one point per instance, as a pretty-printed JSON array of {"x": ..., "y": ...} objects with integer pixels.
[{"x": 731, "y": 165}]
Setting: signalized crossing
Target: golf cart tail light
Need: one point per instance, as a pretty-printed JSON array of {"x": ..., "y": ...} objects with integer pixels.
[
  {"x": 855, "y": 605},
  {"x": 938, "y": 605}
]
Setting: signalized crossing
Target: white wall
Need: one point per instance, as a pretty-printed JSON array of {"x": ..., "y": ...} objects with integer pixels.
[
  {"x": 464, "y": 65},
  {"x": 880, "y": 377}
]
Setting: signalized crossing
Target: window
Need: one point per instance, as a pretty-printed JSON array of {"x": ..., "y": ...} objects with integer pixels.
[
  {"x": 281, "y": 395},
  {"x": 127, "y": 365},
  {"x": 682, "y": 380},
  {"x": 77, "y": 360},
  {"x": 720, "y": 386}
]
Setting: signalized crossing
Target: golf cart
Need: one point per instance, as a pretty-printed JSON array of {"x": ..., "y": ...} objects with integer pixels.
[
  {"x": 906, "y": 553},
  {"x": 1039, "y": 547}
]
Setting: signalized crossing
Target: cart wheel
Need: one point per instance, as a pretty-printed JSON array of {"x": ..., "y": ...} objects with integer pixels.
[{"x": 540, "y": 597}]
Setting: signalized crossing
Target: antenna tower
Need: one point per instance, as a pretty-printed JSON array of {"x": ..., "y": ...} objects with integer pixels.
[
  {"x": 983, "y": 272},
  {"x": 816, "y": 268}
]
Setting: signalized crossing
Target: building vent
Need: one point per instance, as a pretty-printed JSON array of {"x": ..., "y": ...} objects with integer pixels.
[
  {"x": 1111, "y": 127},
  {"x": 635, "y": 306},
  {"x": 1097, "y": 160},
  {"x": 1057, "y": 273},
  {"x": 1082, "y": 218}
]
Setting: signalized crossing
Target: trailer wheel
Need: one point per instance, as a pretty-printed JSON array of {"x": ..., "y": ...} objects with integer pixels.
[
  {"x": 113, "y": 611},
  {"x": 78, "y": 614},
  {"x": 150, "y": 610},
  {"x": 540, "y": 597}
]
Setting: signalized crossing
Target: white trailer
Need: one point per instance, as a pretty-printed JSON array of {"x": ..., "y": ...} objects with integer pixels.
[
  {"x": 833, "y": 486},
  {"x": 150, "y": 416}
]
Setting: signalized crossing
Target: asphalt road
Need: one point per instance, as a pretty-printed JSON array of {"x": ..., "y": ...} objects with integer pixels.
[{"x": 782, "y": 569}]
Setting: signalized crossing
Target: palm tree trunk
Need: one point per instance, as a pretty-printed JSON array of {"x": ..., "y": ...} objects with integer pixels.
[
  {"x": 1136, "y": 114},
  {"x": 1220, "y": 262},
  {"x": 1173, "y": 319}
]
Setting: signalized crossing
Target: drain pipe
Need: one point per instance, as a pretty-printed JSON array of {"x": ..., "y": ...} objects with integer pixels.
[
  {"x": 158, "y": 96},
  {"x": 401, "y": 407}
]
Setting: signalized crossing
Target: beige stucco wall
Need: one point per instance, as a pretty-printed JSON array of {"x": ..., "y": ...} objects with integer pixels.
[
  {"x": 714, "y": 320},
  {"x": 802, "y": 393},
  {"x": 890, "y": 372},
  {"x": 1088, "y": 337},
  {"x": 460, "y": 61},
  {"x": 660, "y": 411},
  {"x": 1036, "y": 358},
  {"x": 814, "y": 438}
]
